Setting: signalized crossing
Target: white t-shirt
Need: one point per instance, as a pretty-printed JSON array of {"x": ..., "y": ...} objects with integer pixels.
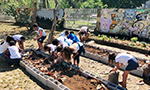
[
  {"x": 43, "y": 32},
  {"x": 65, "y": 44},
  {"x": 83, "y": 29},
  {"x": 68, "y": 42},
  {"x": 61, "y": 39},
  {"x": 77, "y": 47},
  {"x": 124, "y": 58},
  {"x": 62, "y": 34},
  {"x": 14, "y": 52},
  {"x": 17, "y": 37},
  {"x": 53, "y": 47},
  {"x": 3, "y": 47}
]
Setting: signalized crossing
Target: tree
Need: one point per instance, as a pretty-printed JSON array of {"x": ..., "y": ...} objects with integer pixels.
[
  {"x": 50, "y": 38},
  {"x": 123, "y": 3}
]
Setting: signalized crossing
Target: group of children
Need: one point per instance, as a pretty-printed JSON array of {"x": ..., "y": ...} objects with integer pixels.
[
  {"x": 65, "y": 47},
  {"x": 62, "y": 47}
]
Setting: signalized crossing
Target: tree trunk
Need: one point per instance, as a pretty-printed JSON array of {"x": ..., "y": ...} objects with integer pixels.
[
  {"x": 44, "y": 4},
  {"x": 50, "y": 38},
  {"x": 48, "y": 4},
  {"x": 34, "y": 14}
]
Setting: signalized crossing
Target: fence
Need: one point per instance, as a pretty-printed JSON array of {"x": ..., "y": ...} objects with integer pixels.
[
  {"x": 5, "y": 18},
  {"x": 76, "y": 18}
]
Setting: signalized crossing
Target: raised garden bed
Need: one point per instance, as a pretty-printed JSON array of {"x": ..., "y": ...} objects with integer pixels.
[
  {"x": 122, "y": 44},
  {"x": 105, "y": 53},
  {"x": 76, "y": 78},
  {"x": 101, "y": 55}
]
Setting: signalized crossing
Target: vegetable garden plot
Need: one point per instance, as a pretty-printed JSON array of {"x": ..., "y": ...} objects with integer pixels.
[{"x": 71, "y": 78}]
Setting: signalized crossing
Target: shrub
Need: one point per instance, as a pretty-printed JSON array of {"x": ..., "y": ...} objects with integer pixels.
[
  {"x": 21, "y": 11},
  {"x": 134, "y": 39}
]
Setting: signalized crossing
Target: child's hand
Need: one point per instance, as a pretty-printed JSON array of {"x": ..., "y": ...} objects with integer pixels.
[
  {"x": 114, "y": 69},
  {"x": 73, "y": 56},
  {"x": 34, "y": 39}
]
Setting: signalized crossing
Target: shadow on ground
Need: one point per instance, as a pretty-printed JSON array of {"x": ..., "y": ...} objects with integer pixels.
[{"x": 4, "y": 67}]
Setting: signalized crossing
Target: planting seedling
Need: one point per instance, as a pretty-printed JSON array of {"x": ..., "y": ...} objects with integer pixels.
[
  {"x": 109, "y": 39},
  {"x": 144, "y": 44},
  {"x": 116, "y": 37},
  {"x": 104, "y": 37},
  {"x": 134, "y": 39}
]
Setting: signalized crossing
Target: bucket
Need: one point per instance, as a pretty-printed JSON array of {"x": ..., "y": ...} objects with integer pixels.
[
  {"x": 146, "y": 69},
  {"x": 113, "y": 77}
]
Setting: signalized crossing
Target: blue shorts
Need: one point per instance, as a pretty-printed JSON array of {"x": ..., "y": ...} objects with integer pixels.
[
  {"x": 79, "y": 51},
  {"x": 41, "y": 39},
  {"x": 132, "y": 65}
]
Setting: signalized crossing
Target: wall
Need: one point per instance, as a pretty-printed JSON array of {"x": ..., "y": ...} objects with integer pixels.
[
  {"x": 128, "y": 22},
  {"x": 45, "y": 17}
]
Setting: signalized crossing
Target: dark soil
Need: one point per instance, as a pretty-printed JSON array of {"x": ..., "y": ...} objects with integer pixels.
[
  {"x": 105, "y": 53},
  {"x": 74, "y": 79}
]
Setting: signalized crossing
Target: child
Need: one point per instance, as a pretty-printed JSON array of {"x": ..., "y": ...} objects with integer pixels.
[
  {"x": 20, "y": 39},
  {"x": 14, "y": 57},
  {"x": 84, "y": 34},
  {"x": 66, "y": 54},
  {"x": 41, "y": 35},
  {"x": 5, "y": 45},
  {"x": 50, "y": 47},
  {"x": 65, "y": 33},
  {"x": 73, "y": 37},
  {"x": 124, "y": 58},
  {"x": 76, "y": 49}
]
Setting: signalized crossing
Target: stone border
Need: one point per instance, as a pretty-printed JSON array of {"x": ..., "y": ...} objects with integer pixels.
[
  {"x": 103, "y": 59},
  {"x": 52, "y": 83}
]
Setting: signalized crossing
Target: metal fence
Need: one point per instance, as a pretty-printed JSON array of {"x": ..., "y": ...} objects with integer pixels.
[
  {"x": 5, "y": 18},
  {"x": 76, "y": 18}
]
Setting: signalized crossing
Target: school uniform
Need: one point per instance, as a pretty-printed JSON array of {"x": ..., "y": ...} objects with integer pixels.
[
  {"x": 80, "y": 49},
  {"x": 43, "y": 35},
  {"x": 84, "y": 30},
  {"x": 128, "y": 60},
  {"x": 67, "y": 42},
  {"x": 3, "y": 47},
  {"x": 17, "y": 37},
  {"x": 13, "y": 57},
  {"x": 62, "y": 34},
  {"x": 52, "y": 47},
  {"x": 61, "y": 39}
]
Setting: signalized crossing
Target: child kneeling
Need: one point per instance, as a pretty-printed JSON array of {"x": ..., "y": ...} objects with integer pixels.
[{"x": 12, "y": 55}]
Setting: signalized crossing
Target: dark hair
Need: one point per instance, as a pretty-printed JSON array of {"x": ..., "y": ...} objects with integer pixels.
[
  {"x": 35, "y": 25},
  {"x": 67, "y": 52},
  {"x": 66, "y": 32},
  {"x": 23, "y": 38},
  {"x": 72, "y": 32},
  {"x": 9, "y": 38},
  {"x": 46, "y": 47},
  {"x": 11, "y": 43},
  {"x": 55, "y": 42},
  {"x": 59, "y": 48}
]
